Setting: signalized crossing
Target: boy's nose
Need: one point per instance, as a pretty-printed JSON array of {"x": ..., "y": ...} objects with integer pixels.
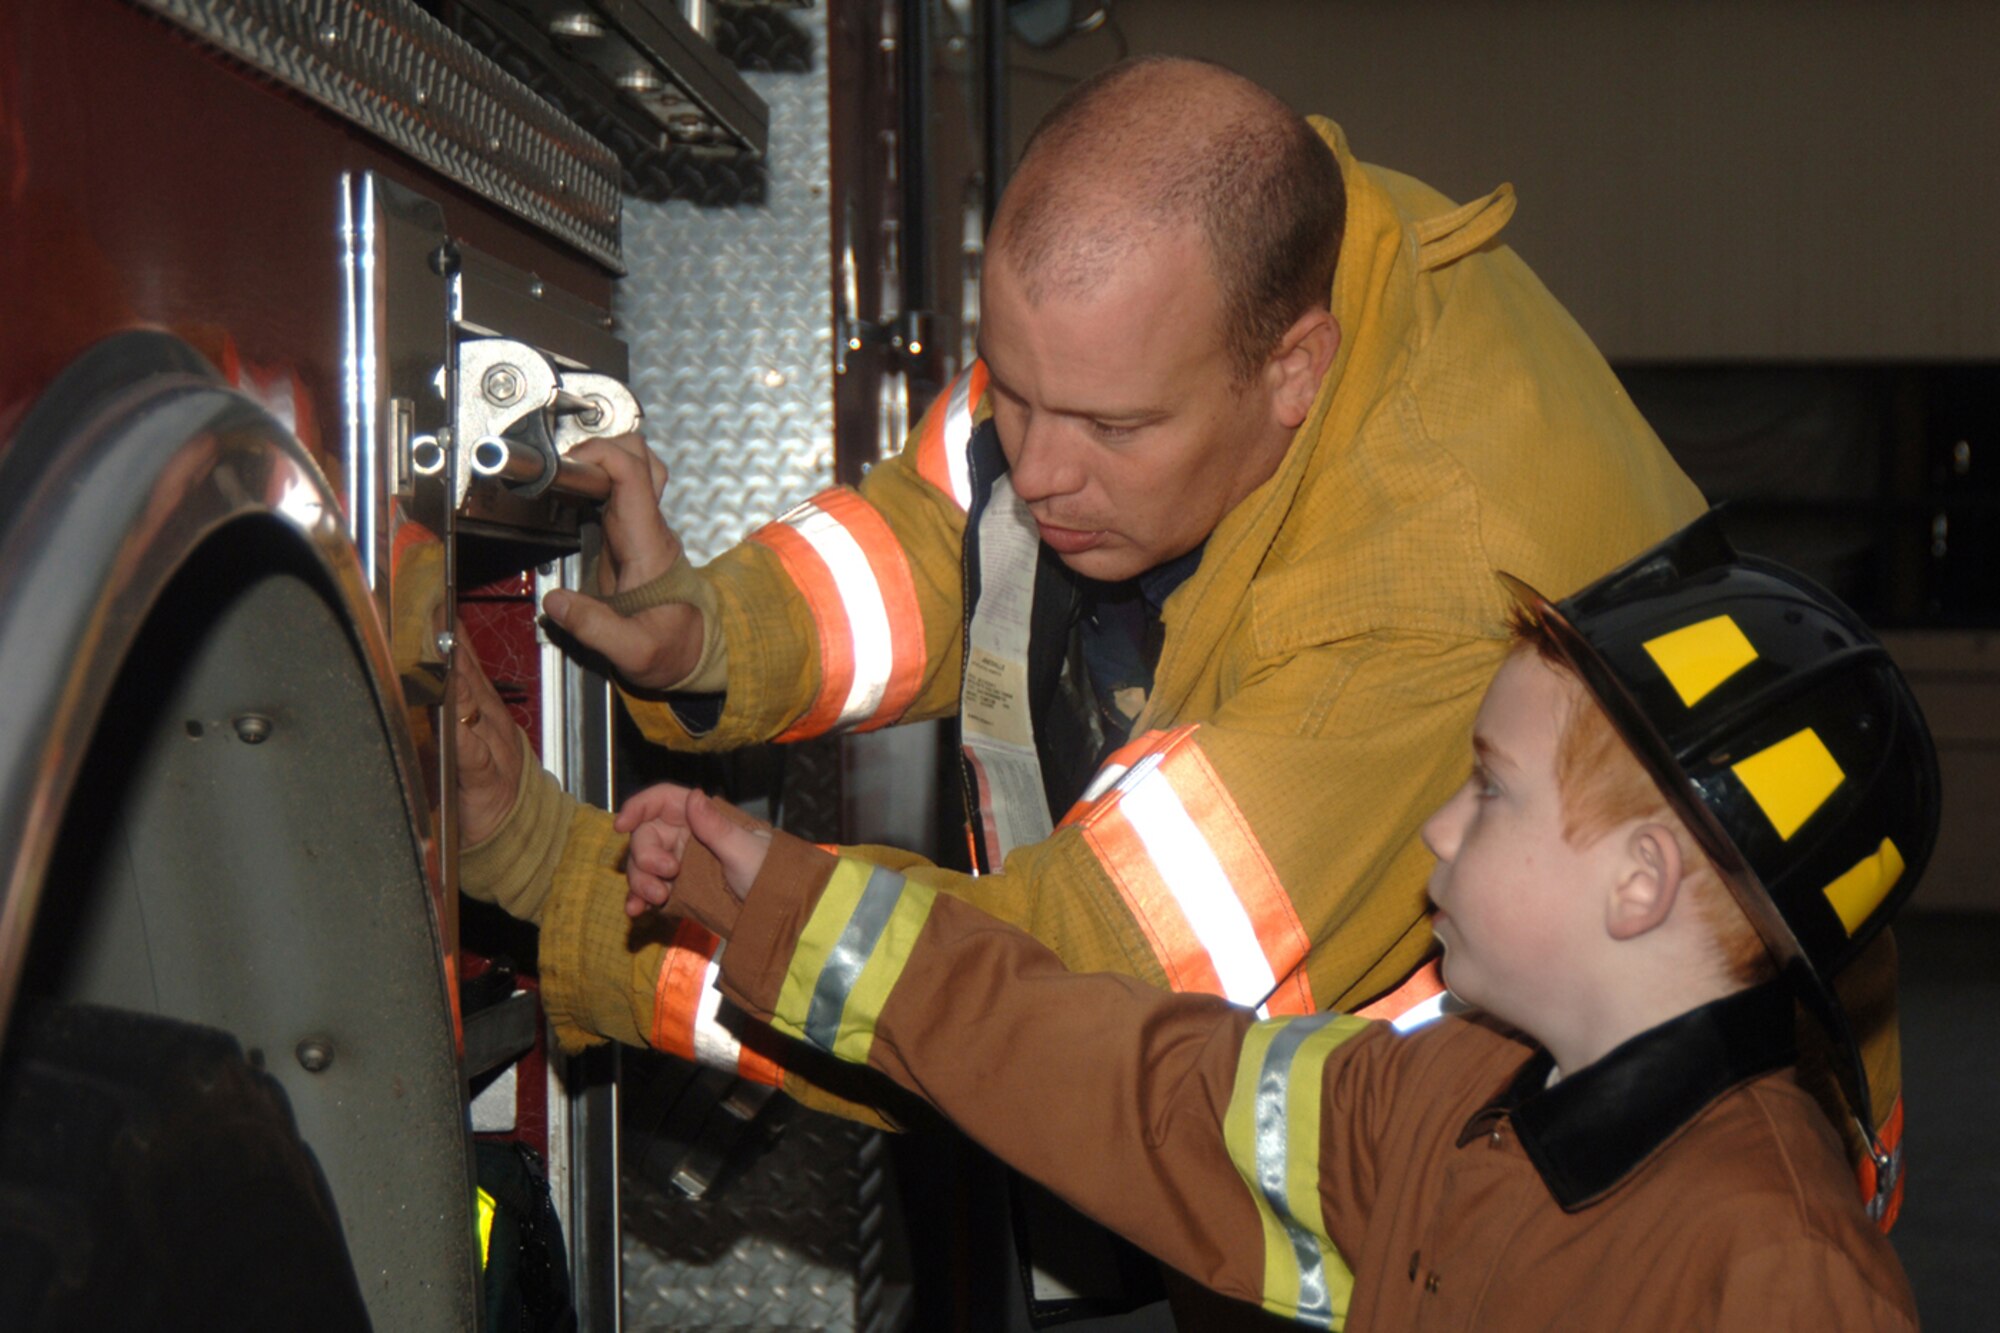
[{"x": 1442, "y": 830}]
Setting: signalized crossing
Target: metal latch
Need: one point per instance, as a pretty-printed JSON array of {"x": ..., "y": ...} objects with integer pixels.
[{"x": 518, "y": 416}]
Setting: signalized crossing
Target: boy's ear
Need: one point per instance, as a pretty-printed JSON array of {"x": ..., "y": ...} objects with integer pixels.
[{"x": 1649, "y": 882}]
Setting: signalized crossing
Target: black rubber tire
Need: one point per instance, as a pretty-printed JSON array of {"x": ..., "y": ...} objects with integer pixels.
[{"x": 152, "y": 1178}]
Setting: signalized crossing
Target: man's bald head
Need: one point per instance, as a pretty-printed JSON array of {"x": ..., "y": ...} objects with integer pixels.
[{"x": 1161, "y": 144}]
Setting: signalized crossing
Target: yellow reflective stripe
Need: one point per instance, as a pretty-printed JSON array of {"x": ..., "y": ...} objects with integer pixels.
[
  {"x": 1696, "y": 658},
  {"x": 487, "y": 1207},
  {"x": 884, "y": 969},
  {"x": 850, "y": 956},
  {"x": 816, "y": 943},
  {"x": 1272, "y": 1134},
  {"x": 1856, "y": 894},
  {"x": 1791, "y": 779}
]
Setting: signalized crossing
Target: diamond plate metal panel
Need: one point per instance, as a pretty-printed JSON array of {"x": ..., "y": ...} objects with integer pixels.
[
  {"x": 778, "y": 1247},
  {"x": 729, "y": 315},
  {"x": 728, "y": 309},
  {"x": 392, "y": 69}
]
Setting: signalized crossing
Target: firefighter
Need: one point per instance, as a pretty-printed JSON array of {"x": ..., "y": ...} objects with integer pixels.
[
  {"x": 1698, "y": 787},
  {"x": 1200, "y": 553}
]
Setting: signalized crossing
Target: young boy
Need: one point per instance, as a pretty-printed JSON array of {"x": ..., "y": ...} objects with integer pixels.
[{"x": 1698, "y": 787}]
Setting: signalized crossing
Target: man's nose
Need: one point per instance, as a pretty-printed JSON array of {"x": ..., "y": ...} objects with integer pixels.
[{"x": 1042, "y": 467}]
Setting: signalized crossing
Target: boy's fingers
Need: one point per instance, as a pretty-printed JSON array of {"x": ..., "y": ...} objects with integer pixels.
[
  {"x": 663, "y": 800},
  {"x": 740, "y": 850},
  {"x": 644, "y": 894}
]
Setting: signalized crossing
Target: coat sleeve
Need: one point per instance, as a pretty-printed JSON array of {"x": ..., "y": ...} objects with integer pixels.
[
  {"x": 844, "y": 613},
  {"x": 1802, "y": 1281},
  {"x": 1268, "y": 856},
  {"x": 1178, "y": 1120}
]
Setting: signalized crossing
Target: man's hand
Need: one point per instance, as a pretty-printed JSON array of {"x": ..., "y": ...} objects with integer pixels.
[
  {"x": 489, "y": 749},
  {"x": 660, "y": 645},
  {"x": 662, "y": 820}
]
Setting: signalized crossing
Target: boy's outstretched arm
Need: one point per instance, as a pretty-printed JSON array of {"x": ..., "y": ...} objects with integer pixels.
[{"x": 1178, "y": 1120}]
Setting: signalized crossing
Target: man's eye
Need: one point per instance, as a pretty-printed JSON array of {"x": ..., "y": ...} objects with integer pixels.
[
  {"x": 1483, "y": 786},
  {"x": 1106, "y": 430}
]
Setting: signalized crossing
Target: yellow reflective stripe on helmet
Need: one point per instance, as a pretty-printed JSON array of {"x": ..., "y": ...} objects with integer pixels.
[
  {"x": 487, "y": 1207},
  {"x": 1856, "y": 894},
  {"x": 1696, "y": 658},
  {"x": 1272, "y": 1134},
  {"x": 850, "y": 956},
  {"x": 1791, "y": 779}
]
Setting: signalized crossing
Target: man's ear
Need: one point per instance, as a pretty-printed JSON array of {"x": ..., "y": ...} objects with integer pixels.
[
  {"x": 1300, "y": 363},
  {"x": 1649, "y": 882}
]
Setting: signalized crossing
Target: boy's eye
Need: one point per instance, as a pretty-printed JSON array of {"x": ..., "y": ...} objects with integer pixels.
[{"x": 1483, "y": 785}]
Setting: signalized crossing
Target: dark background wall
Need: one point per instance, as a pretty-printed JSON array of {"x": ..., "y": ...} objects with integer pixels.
[{"x": 1773, "y": 216}]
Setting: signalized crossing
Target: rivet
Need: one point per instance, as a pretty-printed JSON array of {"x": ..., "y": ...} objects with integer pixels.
[
  {"x": 253, "y": 729},
  {"x": 446, "y": 641},
  {"x": 315, "y": 1054}
]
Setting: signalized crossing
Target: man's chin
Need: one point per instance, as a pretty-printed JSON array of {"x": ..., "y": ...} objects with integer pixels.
[{"x": 1108, "y": 562}]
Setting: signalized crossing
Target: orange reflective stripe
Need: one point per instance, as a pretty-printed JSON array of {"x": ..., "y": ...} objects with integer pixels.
[
  {"x": 677, "y": 990},
  {"x": 1153, "y": 905},
  {"x": 1884, "y": 1205},
  {"x": 944, "y": 440},
  {"x": 988, "y": 831},
  {"x": 1115, "y": 766},
  {"x": 1426, "y": 983},
  {"x": 685, "y": 1002},
  {"x": 898, "y": 591},
  {"x": 1194, "y": 876},
  {"x": 836, "y": 645},
  {"x": 847, "y": 564}
]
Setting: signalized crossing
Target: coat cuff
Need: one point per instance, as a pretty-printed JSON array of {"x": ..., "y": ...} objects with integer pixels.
[
  {"x": 767, "y": 928},
  {"x": 600, "y": 968},
  {"x": 516, "y": 865}
]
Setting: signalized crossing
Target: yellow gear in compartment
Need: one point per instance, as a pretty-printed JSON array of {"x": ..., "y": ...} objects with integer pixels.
[
  {"x": 1696, "y": 658},
  {"x": 1791, "y": 779},
  {"x": 487, "y": 1208},
  {"x": 1856, "y": 894}
]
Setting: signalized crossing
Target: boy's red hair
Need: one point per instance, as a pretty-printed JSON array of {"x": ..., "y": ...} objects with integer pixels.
[{"x": 1604, "y": 785}]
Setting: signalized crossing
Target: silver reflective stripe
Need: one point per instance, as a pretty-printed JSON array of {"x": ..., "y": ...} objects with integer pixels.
[
  {"x": 861, "y": 600},
  {"x": 714, "y": 1045},
  {"x": 958, "y": 439},
  {"x": 1273, "y": 1136},
  {"x": 849, "y": 955}
]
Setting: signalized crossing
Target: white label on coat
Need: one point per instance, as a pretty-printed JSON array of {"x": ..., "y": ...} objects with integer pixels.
[{"x": 998, "y": 733}]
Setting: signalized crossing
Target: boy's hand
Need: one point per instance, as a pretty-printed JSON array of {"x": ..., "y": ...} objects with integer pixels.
[{"x": 663, "y": 820}]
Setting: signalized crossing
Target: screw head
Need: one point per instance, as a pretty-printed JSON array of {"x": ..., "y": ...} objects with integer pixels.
[
  {"x": 315, "y": 1054},
  {"x": 446, "y": 641},
  {"x": 501, "y": 385},
  {"x": 252, "y": 728}
]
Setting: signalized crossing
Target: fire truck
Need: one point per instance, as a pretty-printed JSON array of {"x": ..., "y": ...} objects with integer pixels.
[{"x": 305, "y": 302}]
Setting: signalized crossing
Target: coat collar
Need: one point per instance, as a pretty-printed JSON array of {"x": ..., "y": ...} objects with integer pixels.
[{"x": 1597, "y": 1126}]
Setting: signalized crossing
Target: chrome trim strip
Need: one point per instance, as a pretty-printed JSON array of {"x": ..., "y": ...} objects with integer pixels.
[{"x": 392, "y": 69}]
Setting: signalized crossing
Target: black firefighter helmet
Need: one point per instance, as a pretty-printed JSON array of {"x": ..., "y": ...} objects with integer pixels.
[{"x": 1776, "y": 725}]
